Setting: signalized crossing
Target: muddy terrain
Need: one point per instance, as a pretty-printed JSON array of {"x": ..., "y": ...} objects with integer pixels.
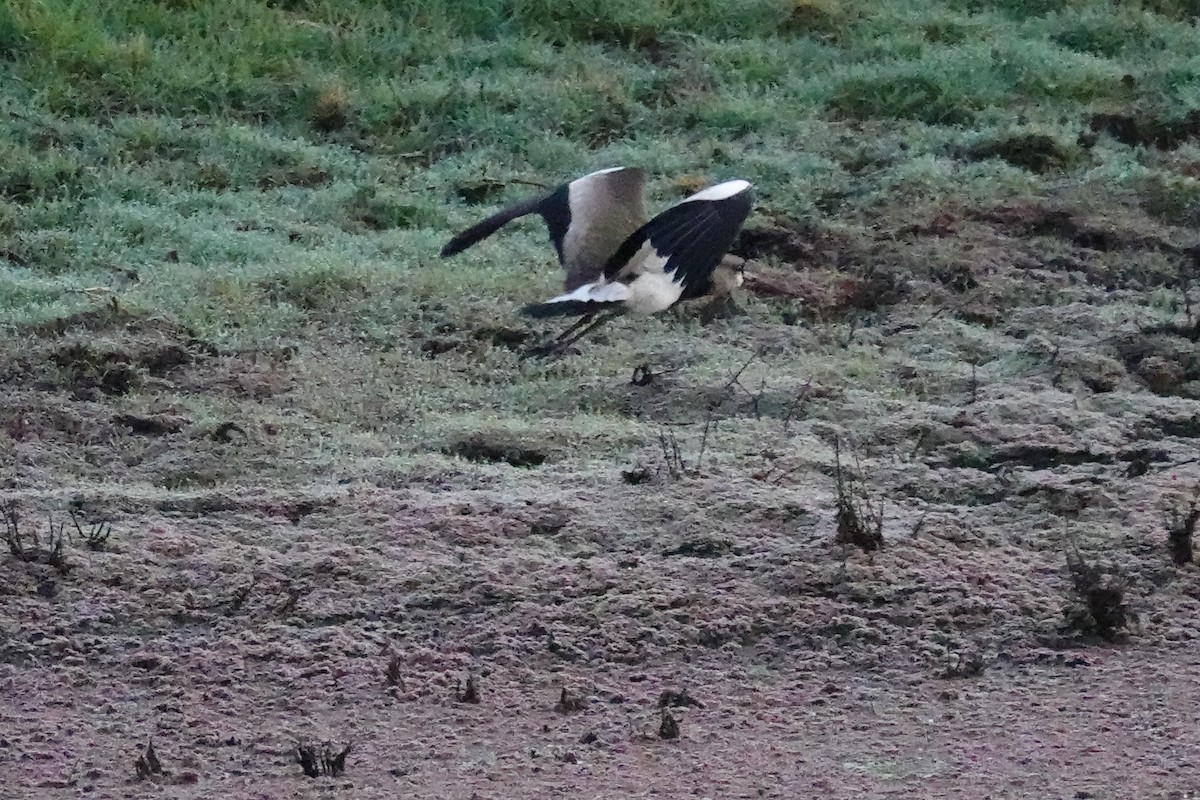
[{"x": 910, "y": 519}]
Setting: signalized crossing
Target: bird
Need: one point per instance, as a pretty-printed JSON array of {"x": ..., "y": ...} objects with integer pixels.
[{"x": 615, "y": 259}]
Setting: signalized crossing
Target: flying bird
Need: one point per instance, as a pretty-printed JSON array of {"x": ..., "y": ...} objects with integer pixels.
[{"x": 615, "y": 260}]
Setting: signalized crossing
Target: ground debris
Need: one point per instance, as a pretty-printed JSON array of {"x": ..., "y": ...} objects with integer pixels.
[
  {"x": 468, "y": 693},
  {"x": 1104, "y": 611},
  {"x": 152, "y": 424},
  {"x": 672, "y": 698},
  {"x": 669, "y": 727},
  {"x": 483, "y": 448},
  {"x": 568, "y": 702}
]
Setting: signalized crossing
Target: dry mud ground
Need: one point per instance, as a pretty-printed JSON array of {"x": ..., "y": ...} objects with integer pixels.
[{"x": 1023, "y": 388}]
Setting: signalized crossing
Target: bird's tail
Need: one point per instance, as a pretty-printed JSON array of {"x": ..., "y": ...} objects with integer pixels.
[
  {"x": 587, "y": 299},
  {"x": 490, "y": 225},
  {"x": 565, "y": 308}
]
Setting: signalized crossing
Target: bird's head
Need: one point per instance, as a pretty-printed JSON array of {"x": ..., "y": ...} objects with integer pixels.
[{"x": 737, "y": 269}]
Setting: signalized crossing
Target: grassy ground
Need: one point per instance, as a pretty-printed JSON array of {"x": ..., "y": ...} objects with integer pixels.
[{"x": 221, "y": 306}]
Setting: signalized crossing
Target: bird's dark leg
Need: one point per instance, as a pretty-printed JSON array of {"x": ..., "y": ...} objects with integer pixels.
[
  {"x": 559, "y": 346},
  {"x": 600, "y": 320},
  {"x": 579, "y": 323},
  {"x": 547, "y": 348}
]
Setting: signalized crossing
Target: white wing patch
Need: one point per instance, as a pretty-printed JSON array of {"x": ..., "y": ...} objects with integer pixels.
[
  {"x": 720, "y": 191},
  {"x": 602, "y": 172},
  {"x": 653, "y": 289}
]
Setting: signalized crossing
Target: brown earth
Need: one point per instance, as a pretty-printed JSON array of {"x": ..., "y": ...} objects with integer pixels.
[{"x": 1024, "y": 407}]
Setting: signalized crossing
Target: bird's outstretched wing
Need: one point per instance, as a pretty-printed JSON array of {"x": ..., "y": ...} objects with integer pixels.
[
  {"x": 587, "y": 219},
  {"x": 685, "y": 243},
  {"x": 668, "y": 259},
  {"x": 602, "y": 210}
]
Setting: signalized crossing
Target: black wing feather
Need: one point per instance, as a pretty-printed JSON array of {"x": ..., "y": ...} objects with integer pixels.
[{"x": 693, "y": 236}]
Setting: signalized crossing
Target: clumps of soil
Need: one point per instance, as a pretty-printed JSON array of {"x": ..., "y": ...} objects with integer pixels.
[
  {"x": 569, "y": 703},
  {"x": 479, "y": 192},
  {"x": 1086, "y": 368},
  {"x": 295, "y": 510},
  {"x": 449, "y": 337},
  {"x": 439, "y": 345},
  {"x": 89, "y": 366},
  {"x": 672, "y": 698},
  {"x": 468, "y": 693},
  {"x": 1102, "y": 610},
  {"x": 493, "y": 448},
  {"x": 1168, "y": 365},
  {"x": 1043, "y": 456},
  {"x": 550, "y": 524},
  {"x": 868, "y": 291},
  {"x": 1025, "y": 219},
  {"x": 701, "y": 547},
  {"x": 636, "y": 476},
  {"x": 326, "y": 762},
  {"x": 1034, "y": 152},
  {"x": 152, "y": 424},
  {"x": 791, "y": 241},
  {"x": 969, "y": 664},
  {"x": 511, "y": 338},
  {"x": 89, "y": 371},
  {"x": 1147, "y": 128}
]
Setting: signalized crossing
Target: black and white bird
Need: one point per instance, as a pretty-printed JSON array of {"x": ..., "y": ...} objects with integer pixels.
[{"x": 615, "y": 259}]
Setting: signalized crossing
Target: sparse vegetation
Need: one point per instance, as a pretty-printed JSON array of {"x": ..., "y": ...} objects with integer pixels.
[
  {"x": 1103, "y": 612},
  {"x": 668, "y": 727},
  {"x": 393, "y": 675},
  {"x": 859, "y": 521},
  {"x": 326, "y": 761},
  {"x": 147, "y": 764},
  {"x": 26, "y": 544},
  {"x": 97, "y": 535},
  {"x": 1181, "y": 532}
]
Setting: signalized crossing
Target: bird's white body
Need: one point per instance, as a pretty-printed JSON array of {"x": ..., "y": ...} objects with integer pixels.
[{"x": 650, "y": 290}]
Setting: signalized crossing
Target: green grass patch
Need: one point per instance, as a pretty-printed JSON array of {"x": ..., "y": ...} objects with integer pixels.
[{"x": 282, "y": 175}]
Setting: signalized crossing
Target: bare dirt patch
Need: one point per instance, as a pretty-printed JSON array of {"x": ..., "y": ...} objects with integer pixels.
[{"x": 928, "y": 561}]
